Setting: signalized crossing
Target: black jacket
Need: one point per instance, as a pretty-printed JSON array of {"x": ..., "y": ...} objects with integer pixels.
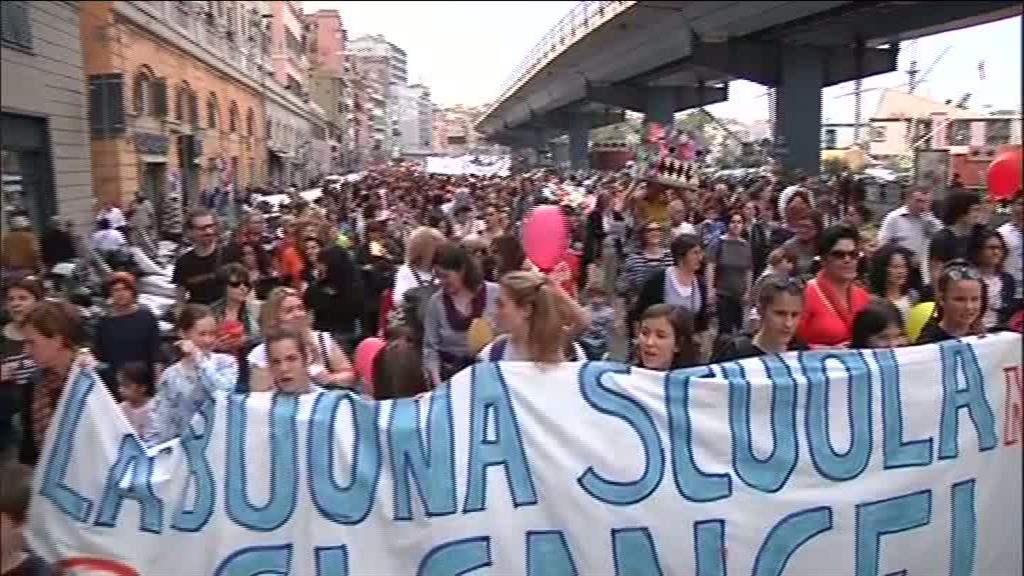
[{"x": 653, "y": 292}]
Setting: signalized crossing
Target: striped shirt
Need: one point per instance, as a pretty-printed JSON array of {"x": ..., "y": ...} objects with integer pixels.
[{"x": 638, "y": 269}]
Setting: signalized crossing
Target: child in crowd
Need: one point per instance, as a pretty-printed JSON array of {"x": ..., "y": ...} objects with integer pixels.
[
  {"x": 781, "y": 264},
  {"x": 15, "y": 491},
  {"x": 135, "y": 386},
  {"x": 596, "y": 338}
]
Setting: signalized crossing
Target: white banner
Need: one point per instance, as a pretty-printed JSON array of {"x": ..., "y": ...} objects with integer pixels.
[
  {"x": 820, "y": 463},
  {"x": 469, "y": 164}
]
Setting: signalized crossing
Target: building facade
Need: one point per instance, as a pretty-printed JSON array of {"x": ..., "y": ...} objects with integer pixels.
[
  {"x": 325, "y": 42},
  {"x": 175, "y": 100},
  {"x": 287, "y": 38},
  {"x": 386, "y": 68},
  {"x": 44, "y": 141}
]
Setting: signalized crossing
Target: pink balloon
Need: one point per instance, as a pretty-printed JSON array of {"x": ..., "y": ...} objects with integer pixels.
[
  {"x": 366, "y": 352},
  {"x": 545, "y": 236},
  {"x": 1004, "y": 174}
]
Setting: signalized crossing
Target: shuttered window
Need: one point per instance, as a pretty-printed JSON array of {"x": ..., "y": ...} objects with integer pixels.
[
  {"x": 15, "y": 24},
  {"x": 159, "y": 87},
  {"x": 106, "y": 104}
]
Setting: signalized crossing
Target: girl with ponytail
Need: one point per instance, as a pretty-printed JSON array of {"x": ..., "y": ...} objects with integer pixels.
[{"x": 538, "y": 321}]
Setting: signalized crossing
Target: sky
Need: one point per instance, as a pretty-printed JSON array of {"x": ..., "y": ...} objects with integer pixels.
[{"x": 464, "y": 51}]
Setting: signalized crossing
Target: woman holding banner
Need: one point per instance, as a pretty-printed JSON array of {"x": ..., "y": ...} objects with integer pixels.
[
  {"x": 187, "y": 384},
  {"x": 284, "y": 308},
  {"x": 780, "y": 305},
  {"x": 960, "y": 303},
  {"x": 832, "y": 298},
  {"x": 667, "y": 339},
  {"x": 538, "y": 321},
  {"x": 53, "y": 337}
]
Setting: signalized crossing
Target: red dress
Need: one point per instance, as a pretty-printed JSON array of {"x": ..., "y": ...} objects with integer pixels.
[{"x": 826, "y": 322}]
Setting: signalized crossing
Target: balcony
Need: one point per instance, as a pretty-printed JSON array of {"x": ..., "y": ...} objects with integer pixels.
[{"x": 246, "y": 58}]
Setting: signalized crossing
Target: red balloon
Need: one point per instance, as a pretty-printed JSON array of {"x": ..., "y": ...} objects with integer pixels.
[
  {"x": 366, "y": 352},
  {"x": 545, "y": 236},
  {"x": 1004, "y": 174}
]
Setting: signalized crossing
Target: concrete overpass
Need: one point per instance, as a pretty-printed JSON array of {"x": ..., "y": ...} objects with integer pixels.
[{"x": 660, "y": 58}]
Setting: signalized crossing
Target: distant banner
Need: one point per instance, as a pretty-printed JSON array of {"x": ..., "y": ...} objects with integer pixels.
[
  {"x": 473, "y": 165},
  {"x": 828, "y": 462}
]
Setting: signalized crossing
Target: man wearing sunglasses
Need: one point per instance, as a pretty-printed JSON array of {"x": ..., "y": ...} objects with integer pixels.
[{"x": 195, "y": 272}]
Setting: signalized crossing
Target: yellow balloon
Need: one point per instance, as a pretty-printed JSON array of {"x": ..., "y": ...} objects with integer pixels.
[
  {"x": 478, "y": 335},
  {"x": 917, "y": 318}
]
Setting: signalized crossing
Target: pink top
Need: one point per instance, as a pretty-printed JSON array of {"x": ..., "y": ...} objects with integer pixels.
[
  {"x": 141, "y": 418},
  {"x": 824, "y": 323}
]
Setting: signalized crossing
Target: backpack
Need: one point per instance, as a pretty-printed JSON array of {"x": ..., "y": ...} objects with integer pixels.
[{"x": 413, "y": 310}]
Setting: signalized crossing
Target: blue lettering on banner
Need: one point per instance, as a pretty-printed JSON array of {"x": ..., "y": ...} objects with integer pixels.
[
  {"x": 827, "y": 461},
  {"x": 957, "y": 354},
  {"x": 489, "y": 392},
  {"x": 200, "y": 475},
  {"x": 897, "y": 453},
  {"x": 331, "y": 560},
  {"x": 787, "y": 536},
  {"x": 547, "y": 554},
  {"x": 351, "y": 503},
  {"x": 53, "y": 487},
  {"x": 257, "y": 561},
  {"x": 284, "y": 464},
  {"x": 709, "y": 547},
  {"x": 965, "y": 530},
  {"x": 132, "y": 454},
  {"x": 457, "y": 557},
  {"x": 691, "y": 482},
  {"x": 889, "y": 516},
  {"x": 608, "y": 401},
  {"x": 771, "y": 473},
  {"x": 432, "y": 466},
  {"x": 633, "y": 552}
]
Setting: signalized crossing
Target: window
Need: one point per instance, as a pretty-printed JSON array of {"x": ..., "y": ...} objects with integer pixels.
[
  {"x": 250, "y": 122},
  {"x": 233, "y": 117},
  {"x": 183, "y": 104},
  {"x": 140, "y": 93},
  {"x": 959, "y": 133},
  {"x": 15, "y": 23},
  {"x": 106, "y": 104},
  {"x": 211, "y": 112},
  {"x": 878, "y": 133},
  {"x": 829, "y": 140},
  {"x": 997, "y": 132}
]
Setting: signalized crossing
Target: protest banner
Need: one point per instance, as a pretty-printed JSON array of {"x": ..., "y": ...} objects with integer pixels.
[{"x": 818, "y": 463}]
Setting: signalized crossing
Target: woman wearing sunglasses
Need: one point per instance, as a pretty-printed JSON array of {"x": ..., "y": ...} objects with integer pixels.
[
  {"x": 328, "y": 364},
  {"x": 237, "y": 315},
  {"x": 959, "y": 305},
  {"x": 832, "y": 298}
]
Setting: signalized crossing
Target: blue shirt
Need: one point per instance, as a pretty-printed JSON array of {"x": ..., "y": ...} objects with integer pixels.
[{"x": 183, "y": 390}]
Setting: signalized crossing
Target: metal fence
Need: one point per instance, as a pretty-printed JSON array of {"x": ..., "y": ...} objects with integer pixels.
[{"x": 583, "y": 18}]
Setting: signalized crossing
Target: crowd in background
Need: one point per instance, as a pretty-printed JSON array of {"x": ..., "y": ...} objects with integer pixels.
[{"x": 281, "y": 298}]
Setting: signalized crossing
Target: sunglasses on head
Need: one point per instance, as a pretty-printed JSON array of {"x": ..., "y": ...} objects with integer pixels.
[{"x": 960, "y": 270}]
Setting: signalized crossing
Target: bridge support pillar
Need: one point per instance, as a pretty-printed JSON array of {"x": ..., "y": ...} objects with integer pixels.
[
  {"x": 798, "y": 109},
  {"x": 579, "y": 141},
  {"x": 659, "y": 105}
]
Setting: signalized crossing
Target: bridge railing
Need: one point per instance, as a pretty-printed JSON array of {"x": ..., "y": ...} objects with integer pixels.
[{"x": 577, "y": 23}]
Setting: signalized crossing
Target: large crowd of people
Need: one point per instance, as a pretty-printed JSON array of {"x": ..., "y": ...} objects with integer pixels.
[{"x": 662, "y": 278}]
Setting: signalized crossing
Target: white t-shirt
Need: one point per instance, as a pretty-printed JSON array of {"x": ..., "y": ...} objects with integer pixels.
[
  {"x": 405, "y": 280},
  {"x": 115, "y": 216},
  {"x": 107, "y": 240},
  {"x": 511, "y": 353},
  {"x": 1013, "y": 264},
  {"x": 258, "y": 357}
]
